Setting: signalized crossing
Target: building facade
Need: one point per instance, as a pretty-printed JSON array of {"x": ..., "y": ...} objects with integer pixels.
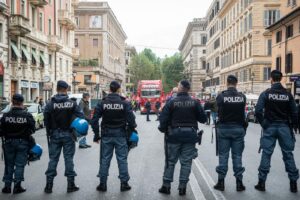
[
  {"x": 213, "y": 48},
  {"x": 130, "y": 51},
  {"x": 4, "y": 16},
  {"x": 101, "y": 41},
  {"x": 286, "y": 40},
  {"x": 193, "y": 50}
]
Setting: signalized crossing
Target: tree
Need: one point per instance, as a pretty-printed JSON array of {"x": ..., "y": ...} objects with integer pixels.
[{"x": 172, "y": 71}]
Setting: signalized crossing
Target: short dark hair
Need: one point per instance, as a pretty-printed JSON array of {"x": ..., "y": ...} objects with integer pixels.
[
  {"x": 232, "y": 80},
  {"x": 276, "y": 75},
  {"x": 114, "y": 86},
  {"x": 85, "y": 95},
  {"x": 185, "y": 84}
]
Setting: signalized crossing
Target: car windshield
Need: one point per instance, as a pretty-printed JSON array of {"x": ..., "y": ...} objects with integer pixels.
[
  {"x": 6, "y": 109},
  {"x": 32, "y": 108},
  {"x": 150, "y": 93}
]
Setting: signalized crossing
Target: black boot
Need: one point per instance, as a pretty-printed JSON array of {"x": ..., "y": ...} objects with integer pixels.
[
  {"x": 182, "y": 191},
  {"x": 239, "y": 185},
  {"x": 261, "y": 186},
  {"x": 72, "y": 187},
  {"x": 18, "y": 188},
  {"x": 293, "y": 186},
  {"x": 165, "y": 190},
  {"x": 102, "y": 187},
  {"x": 48, "y": 188},
  {"x": 125, "y": 186},
  {"x": 6, "y": 189},
  {"x": 220, "y": 185}
]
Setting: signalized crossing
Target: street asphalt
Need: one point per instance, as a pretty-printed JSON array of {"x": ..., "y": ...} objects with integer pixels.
[{"x": 146, "y": 163}]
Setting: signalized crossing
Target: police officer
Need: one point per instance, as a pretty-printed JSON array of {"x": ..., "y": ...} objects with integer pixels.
[
  {"x": 277, "y": 114},
  {"x": 148, "y": 109},
  {"x": 58, "y": 116},
  {"x": 231, "y": 130},
  {"x": 116, "y": 114},
  {"x": 179, "y": 121},
  {"x": 16, "y": 127}
]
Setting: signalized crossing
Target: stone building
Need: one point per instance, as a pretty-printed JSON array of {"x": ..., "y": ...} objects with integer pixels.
[
  {"x": 193, "y": 50},
  {"x": 101, "y": 41},
  {"x": 130, "y": 51}
]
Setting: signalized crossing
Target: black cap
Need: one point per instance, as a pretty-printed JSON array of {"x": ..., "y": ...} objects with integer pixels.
[
  {"x": 114, "y": 86},
  {"x": 186, "y": 84},
  {"x": 231, "y": 79},
  {"x": 62, "y": 84},
  {"x": 18, "y": 98}
]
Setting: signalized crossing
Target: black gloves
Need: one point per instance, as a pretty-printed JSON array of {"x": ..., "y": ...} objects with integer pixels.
[
  {"x": 161, "y": 129},
  {"x": 96, "y": 137}
]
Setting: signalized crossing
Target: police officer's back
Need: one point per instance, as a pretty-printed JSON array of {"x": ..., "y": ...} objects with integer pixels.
[
  {"x": 276, "y": 112},
  {"x": 116, "y": 115},
  {"x": 231, "y": 130},
  {"x": 179, "y": 121},
  {"x": 17, "y": 126},
  {"x": 58, "y": 116}
]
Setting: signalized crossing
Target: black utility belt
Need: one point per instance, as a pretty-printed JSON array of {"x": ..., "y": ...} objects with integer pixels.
[{"x": 14, "y": 139}]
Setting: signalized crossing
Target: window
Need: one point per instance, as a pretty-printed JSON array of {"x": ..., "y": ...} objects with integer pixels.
[
  {"x": 250, "y": 21},
  {"x": 41, "y": 21},
  {"x": 49, "y": 26},
  {"x": 245, "y": 51},
  {"x": 67, "y": 37},
  {"x": 23, "y": 7},
  {"x": 289, "y": 63},
  {"x": 67, "y": 65},
  {"x": 289, "y": 31},
  {"x": 278, "y": 36},
  {"x": 267, "y": 73},
  {"x": 50, "y": 60},
  {"x": 33, "y": 17},
  {"x": 292, "y": 3},
  {"x": 60, "y": 32},
  {"x": 1, "y": 32},
  {"x": 33, "y": 57},
  {"x": 12, "y": 6},
  {"x": 203, "y": 64},
  {"x": 204, "y": 51},
  {"x": 42, "y": 61},
  {"x": 269, "y": 49},
  {"x": 271, "y": 16},
  {"x": 278, "y": 63},
  {"x": 60, "y": 64},
  {"x": 87, "y": 79},
  {"x": 203, "y": 40},
  {"x": 217, "y": 61},
  {"x": 95, "y": 42},
  {"x": 126, "y": 62},
  {"x": 24, "y": 57},
  {"x": 217, "y": 43},
  {"x": 76, "y": 42},
  {"x": 250, "y": 48},
  {"x": 77, "y": 21}
]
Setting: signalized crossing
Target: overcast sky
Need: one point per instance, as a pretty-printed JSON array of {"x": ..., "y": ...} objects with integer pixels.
[{"x": 159, "y": 24}]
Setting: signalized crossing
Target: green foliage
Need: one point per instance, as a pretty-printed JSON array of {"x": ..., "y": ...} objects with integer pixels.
[{"x": 85, "y": 63}]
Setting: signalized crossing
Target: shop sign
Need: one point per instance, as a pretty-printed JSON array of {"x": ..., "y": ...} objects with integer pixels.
[
  {"x": 34, "y": 85},
  {"x": 24, "y": 84}
]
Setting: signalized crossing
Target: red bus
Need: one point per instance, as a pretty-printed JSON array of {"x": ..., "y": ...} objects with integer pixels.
[{"x": 152, "y": 90}]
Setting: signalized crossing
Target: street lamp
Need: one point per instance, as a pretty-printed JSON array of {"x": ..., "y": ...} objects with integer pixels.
[
  {"x": 252, "y": 79},
  {"x": 74, "y": 83}
]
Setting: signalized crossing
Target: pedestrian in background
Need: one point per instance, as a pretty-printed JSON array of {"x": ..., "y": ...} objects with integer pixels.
[
  {"x": 116, "y": 114},
  {"x": 148, "y": 109},
  {"x": 157, "y": 109},
  {"x": 58, "y": 116},
  {"x": 231, "y": 130},
  {"x": 214, "y": 109},
  {"x": 277, "y": 114},
  {"x": 207, "y": 109},
  {"x": 84, "y": 104},
  {"x": 179, "y": 121},
  {"x": 16, "y": 127},
  {"x": 298, "y": 110}
]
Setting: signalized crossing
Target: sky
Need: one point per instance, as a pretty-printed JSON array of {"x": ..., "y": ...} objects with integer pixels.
[{"x": 157, "y": 24}]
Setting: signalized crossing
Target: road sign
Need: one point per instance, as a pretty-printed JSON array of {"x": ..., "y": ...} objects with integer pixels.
[{"x": 294, "y": 78}]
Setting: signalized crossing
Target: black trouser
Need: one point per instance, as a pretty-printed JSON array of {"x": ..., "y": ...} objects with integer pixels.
[
  {"x": 148, "y": 113},
  {"x": 208, "y": 117}
]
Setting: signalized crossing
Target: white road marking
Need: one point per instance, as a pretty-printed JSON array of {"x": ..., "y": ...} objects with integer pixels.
[
  {"x": 209, "y": 181},
  {"x": 198, "y": 194}
]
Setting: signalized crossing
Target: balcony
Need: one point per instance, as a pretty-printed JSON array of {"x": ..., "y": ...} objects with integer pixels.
[
  {"x": 209, "y": 72},
  {"x": 66, "y": 18},
  {"x": 3, "y": 6},
  {"x": 55, "y": 44},
  {"x": 75, "y": 53},
  {"x": 75, "y": 3},
  {"x": 19, "y": 25},
  {"x": 39, "y": 3}
]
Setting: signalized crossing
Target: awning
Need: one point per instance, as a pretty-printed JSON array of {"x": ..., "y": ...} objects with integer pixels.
[
  {"x": 43, "y": 58},
  {"x": 24, "y": 50},
  {"x": 34, "y": 55},
  {"x": 15, "y": 49}
]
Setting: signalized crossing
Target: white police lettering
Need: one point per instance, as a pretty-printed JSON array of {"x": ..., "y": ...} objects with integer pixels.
[
  {"x": 184, "y": 104},
  {"x": 233, "y": 99},
  {"x": 63, "y": 105},
  {"x": 279, "y": 97},
  {"x": 113, "y": 107},
  {"x": 16, "y": 120}
]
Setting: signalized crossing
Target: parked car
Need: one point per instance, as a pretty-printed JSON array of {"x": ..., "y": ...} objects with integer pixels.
[{"x": 33, "y": 108}]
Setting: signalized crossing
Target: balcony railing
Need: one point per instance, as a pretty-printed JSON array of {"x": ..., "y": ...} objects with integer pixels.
[
  {"x": 67, "y": 19},
  {"x": 19, "y": 25},
  {"x": 55, "y": 44},
  {"x": 39, "y": 3}
]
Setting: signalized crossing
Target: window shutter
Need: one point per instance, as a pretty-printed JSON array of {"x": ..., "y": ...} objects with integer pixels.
[{"x": 266, "y": 18}]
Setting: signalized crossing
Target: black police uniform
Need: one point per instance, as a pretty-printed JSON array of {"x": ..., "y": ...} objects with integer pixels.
[
  {"x": 116, "y": 114},
  {"x": 179, "y": 120},
  {"x": 148, "y": 109},
  {"x": 58, "y": 116},
  {"x": 17, "y": 126},
  {"x": 231, "y": 131},
  {"x": 277, "y": 113}
]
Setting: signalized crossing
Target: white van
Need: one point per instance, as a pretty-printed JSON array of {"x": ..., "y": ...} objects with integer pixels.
[{"x": 78, "y": 98}]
